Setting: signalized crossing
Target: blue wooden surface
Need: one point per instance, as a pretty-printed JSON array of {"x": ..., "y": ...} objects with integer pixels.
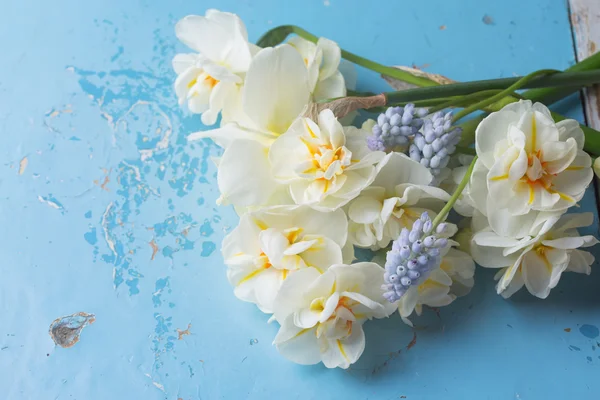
[{"x": 96, "y": 176}]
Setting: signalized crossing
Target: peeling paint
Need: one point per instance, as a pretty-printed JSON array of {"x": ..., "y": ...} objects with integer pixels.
[
  {"x": 51, "y": 201},
  {"x": 23, "y": 164},
  {"x": 412, "y": 342},
  {"x": 109, "y": 241},
  {"x": 65, "y": 331},
  {"x": 181, "y": 333},
  {"x": 155, "y": 249}
]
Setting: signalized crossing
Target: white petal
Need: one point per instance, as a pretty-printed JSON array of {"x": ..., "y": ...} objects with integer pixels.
[
  {"x": 222, "y": 95},
  {"x": 492, "y": 239},
  {"x": 330, "y": 88},
  {"x": 331, "y": 57},
  {"x": 311, "y": 56},
  {"x": 539, "y": 129},
  {"x": 330, "y": 126},
  {"x": 569, "y": 128},
  {"x": 300, "y": 247},
  {"x": 397, "y": 168},
  {"x": 514, "y": 286},
  {"x": 332, "y": 225},
  {"x": 261, "y": 289},
  {"x": 478, "y": 191},
  {"x": 306, "y": 318},
  {"x": 298, "y": 345},
  {"x": 204, "y": 35},
  {"x": 541, "y": 271},
  {"x": 276, "y": 88},
  {"x": 364, "y": 210},
  {"x": 511, "y": 271},
  {"x": 291, "y": 296},
  {"x": 408, "y": 301},
  {"x": 568, "y": 243},
  {"x": 330, "y": 306},
  {"x": 244, "y": 182},
  {"x": 226, "y": 134},
  {"x": 229, "y": 20},
  {"x": 489, "y": 257},
  {"x": 287, "y": 153},
  {"x": 273, "y": 244},
  {"x": 580, "y": 262},
  {"x": 242, "y": 240},
  {"x": 349, "y": 72},
  {"x": 323, "y": 255},
  {"x": 572, "y": 221},
  {"x": 373, "y": 305},
  {"x": 490, "y": 131},
  {"x": 182, "y": 62},
  {"x": 343, "y": 353}
]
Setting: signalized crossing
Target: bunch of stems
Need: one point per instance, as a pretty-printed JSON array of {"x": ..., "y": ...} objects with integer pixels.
[{"x": 547, "y": 86}]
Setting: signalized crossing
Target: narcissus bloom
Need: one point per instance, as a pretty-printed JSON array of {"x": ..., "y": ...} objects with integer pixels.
[
  {"x": 324, "y": 164},
  {"x": 527, "y": 164},
  {"x": 397, "y": 197},
  {"x": 452, "y": 279},
  {"x": 538, "y": 260},
  {"x": 209, "y": 80},
  {"x": 321, "y": 315},
  {"x": 322, "y": 60}
]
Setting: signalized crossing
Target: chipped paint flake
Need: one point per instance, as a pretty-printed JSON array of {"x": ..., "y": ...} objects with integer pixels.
[
  {"x": 181, "y": 334},
  {"x": 412, "y": 342},
  {"x": 109, "y": 241},
  {"x": 65, "y": 331},
  {"x": 155, "y": 249},
  {"x": 23, "y": 164},
  {"x": 488, "y": 20},
  {"x": 159, "y": 386},
  {"x": 51, "y": 201}
]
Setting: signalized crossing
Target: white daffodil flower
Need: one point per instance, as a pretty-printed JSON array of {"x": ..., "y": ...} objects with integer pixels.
[
  {"x": 210, "y": 80},
  {"x": 322, "y": 61},
  {"x": 274, "y": 95},
  {"x": 272, "y": 244},
  {"x": 527, "y": 164},
  {"x": 321, "y": 315},
  {"x": 452, "y": 279},
  {"x": 397, "y": 197},
  {"x": 538, "y": 260},
  {"x": 324, "y": 165}
]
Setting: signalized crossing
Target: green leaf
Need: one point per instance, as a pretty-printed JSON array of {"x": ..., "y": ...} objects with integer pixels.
[{"x": 275, "y": 36}]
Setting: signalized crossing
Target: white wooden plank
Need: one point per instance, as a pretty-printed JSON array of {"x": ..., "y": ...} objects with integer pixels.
[{"x": 585, "y": 20}]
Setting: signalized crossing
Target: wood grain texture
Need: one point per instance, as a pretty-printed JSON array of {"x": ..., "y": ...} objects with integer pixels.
[{"x": 585, "y": 19}]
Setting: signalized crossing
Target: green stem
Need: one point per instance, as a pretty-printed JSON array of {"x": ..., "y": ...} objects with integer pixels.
[
  {"x": 459, "y": 101},
  {"x": 466, "y": 150},
  {"x": 578, "y": 79},
  {"x": 499, "y": 96},
  {"x": 461, "y": 186}
]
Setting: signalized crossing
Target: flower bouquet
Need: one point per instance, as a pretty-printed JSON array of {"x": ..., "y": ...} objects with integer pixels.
[{"x": 427, "y": 192}]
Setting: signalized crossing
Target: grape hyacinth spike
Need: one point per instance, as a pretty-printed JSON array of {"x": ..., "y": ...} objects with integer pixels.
[
  {"x": 436, "y": 142},
  {"x": 395, "y": 127},
  {"x": 413, "y": 256}
]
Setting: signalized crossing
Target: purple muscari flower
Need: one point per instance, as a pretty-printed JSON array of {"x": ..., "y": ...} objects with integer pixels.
[
  {"x": 436, "y": 142},
  {"x": 395, "y": 127},
  {"x": 413, "y": 256}
]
